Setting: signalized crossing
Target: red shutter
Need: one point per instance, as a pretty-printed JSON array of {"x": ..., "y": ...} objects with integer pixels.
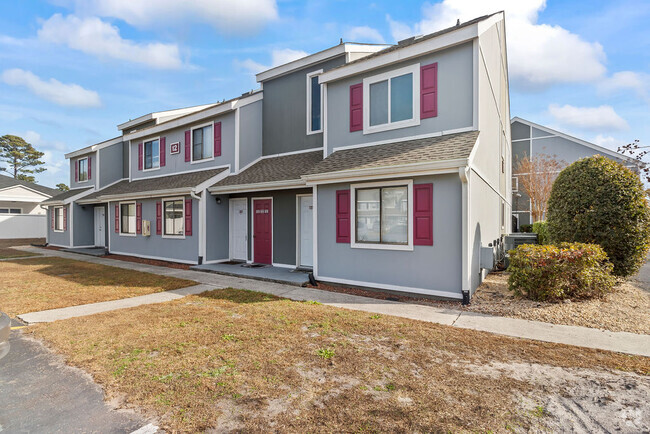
[
  {"x": 52, "y": 212},
  {"x": 89, "y": 166},
  {"x": 163, "y": 151},
  {"x": 117, "y": 218},
  {"x": 429, "y": 91},
  {"x": 356, "y": 107},
  {"x": 188, "y": 136},
  {"x": 188, "y": 216},
  {"x": 343, "y": 216},
  {"x": 423, "y": 214},
  {"x": 138, "y": 218},
  {"x": 140, "y": 156},
  {"x": 158, "y": 218},
  {"x": 217, "y": 139},
  {"x": 76, "y": 170},
  {"x": 65, "y": 218}
]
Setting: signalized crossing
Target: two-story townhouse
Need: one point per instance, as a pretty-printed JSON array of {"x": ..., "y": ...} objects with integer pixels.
[{"x": 530, "y": 140}]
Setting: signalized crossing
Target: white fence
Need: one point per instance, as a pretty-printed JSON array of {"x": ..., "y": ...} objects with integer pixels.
[{"x": 23, "y": 226}]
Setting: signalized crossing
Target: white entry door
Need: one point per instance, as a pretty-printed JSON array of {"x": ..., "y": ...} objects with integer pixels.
[
  {"x": 239, "y": 229},
  {"x": 100, "y": 230},
  {"x": 306, "y": 231}
]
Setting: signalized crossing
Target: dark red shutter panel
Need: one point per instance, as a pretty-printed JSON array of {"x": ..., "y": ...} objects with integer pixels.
[
  {"x": 356, "y": 107},
  {"x": 429, "y": 91},
  {"x": 52, "y": 212},
  {"x": 188, "y": 136},
  {"x": 65, "y": 218},
  {"x": 188, "y": 216},
  {"x": 76, "y": 171},
  {"x": 423, "y": 214},
  {"x": 158, "y": 218},
  {"x": 117, "y": 218},
  {"x": 89, "y": 167},
  {"x": 343, "y": 216},
  {"x": 217, "y": 139},
  {"x": 140, "y": 156},
  {"x": 163, "y": 151},
  {"x": 138, "y": 218}
]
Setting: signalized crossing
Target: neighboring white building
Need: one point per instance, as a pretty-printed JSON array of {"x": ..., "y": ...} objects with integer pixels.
[{"x": 21, "y": 215}]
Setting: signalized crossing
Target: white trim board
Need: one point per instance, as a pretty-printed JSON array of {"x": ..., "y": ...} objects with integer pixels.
[
  {"x": 93, "y": 148},
  {"x": 308, "y": 112}
]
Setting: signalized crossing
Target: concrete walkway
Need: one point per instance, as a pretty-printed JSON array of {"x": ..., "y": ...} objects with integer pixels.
[{"x": 629, "y": 343}]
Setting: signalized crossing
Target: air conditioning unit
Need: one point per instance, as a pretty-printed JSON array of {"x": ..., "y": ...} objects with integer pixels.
[
  {"x": 146, "y": 228},
  {"x": 516, "y": 239}
]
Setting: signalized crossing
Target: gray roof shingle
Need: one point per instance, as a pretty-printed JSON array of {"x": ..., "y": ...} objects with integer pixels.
[
  {"x": 65, "y": 195},
  {"x": 274, "y": 169},
  {"x": 8, "y": 181},
  {"x": 440, "y": 148}
]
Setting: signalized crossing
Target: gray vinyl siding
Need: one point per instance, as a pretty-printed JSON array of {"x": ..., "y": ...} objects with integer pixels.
[
  {"x": 125, "y": 159},
  {"x": 172, "y": 249},
  {"x": 285, "y": 111},
  {"x": 217, "y": 226},
  {"x": 250, "y": 133},
  {"x": 455, "y": 100},
  {"x": 539, "y": 133},
  {"x": 93, "y": 171},
  {"x": 110, "y": 164},
  {"x": 565, "y": 150},
  {"x": 84, "y": 225},
  {"x": 57, "y": 238},
  {"x": 520, "y": 131},
  {"x": 436, "y": 267},
  {"x": 176, "y": 163}
]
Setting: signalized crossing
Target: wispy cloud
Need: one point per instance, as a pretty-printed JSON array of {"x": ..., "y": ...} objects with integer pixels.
[
  {"x": 278, "y": 57},
  {"x": 602, "y": 118},
  {"x": 364, "y": 34},
  {"x": 637, "y": 82},
  {"x": 52, "y": 90},
  {"x": 101, "y": 39}
]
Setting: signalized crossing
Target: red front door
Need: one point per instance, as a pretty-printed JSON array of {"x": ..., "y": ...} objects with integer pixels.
[{"x": 262, "y": 232}]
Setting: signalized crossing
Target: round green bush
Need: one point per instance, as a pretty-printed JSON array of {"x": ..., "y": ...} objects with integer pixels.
[{"x": 596, "y": 200}]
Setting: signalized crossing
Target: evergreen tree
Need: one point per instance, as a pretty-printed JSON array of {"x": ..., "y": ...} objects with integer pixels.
[{"x": 21, "y": 157}]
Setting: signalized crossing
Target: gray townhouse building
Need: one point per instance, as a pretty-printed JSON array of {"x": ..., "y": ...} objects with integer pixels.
[{"x": 383, "y": 166}]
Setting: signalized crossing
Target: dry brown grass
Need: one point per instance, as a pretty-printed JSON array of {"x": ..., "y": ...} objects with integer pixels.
[
  {"x": 6, "y": 253},
  {"x": 627, "y": 309},
  {"x": 10, "y": 242},
  {"x": 30, "y": 285},
  {"x": 244, "y": 361}
]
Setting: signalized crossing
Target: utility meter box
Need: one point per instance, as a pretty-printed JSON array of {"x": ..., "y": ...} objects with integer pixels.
[{"x": 146, "y": 228}]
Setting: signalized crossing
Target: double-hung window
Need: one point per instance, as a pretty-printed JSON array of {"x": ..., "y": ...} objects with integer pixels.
[
  {"x": 11, "y": 211},
  {"x": 202, "y": 143},
  {"x": 58, "y": 219},
  {"x": 174, "y": 211},
  {"x": 391, "y": 100},
  {"x": 152, "y": 154},
  {"x": 314, "y": 103},
  {"x": 83, "y": 169},
  {"x": 127, "y": 216},
  {"x": 382, "y": 215}
]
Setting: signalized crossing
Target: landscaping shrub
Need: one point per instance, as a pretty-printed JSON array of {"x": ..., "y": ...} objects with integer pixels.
[
  {"x": 558, "y": 272},
  {"x": 596, "y": 200},
  {"x": 526, "y": 228},
  {"x": 541, "y": 229}
]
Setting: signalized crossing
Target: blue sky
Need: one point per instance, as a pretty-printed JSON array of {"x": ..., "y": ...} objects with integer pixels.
[{"x": 71, "y": 70}]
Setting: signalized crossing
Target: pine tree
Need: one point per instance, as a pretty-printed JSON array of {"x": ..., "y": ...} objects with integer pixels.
[
  {"x": 22, "y": 158},
  {"x": 62, "y": 187}
]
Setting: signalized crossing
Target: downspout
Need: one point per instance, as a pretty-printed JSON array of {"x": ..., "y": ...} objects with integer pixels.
[
  {"x": 465, "y": 220},
  {"x": 201, "y": 200}
]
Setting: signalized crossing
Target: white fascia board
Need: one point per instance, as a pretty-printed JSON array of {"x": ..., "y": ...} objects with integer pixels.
[
  {"x": 316, "y": 58},
  {"x": 446, "y": 40},
  {"x": 415, "y": 169},
  {"x": 573, "y": 139},
  {"x": 485, "y": 24},
  {"x": 93, "y": 148},
  {"x": 248, "y": 99},
  {"x": 260, "y": 186},
  {"x": 144, "y": 195},
  {"x": 166, "y": 113},
  {"x": 71, "y": 198}
]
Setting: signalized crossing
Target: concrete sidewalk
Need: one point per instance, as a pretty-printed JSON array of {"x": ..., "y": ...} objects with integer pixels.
[{"x": 571, "y": 335}]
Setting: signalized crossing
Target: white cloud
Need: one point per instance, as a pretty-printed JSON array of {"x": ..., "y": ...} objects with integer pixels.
[
  {"x": 608, "y": 142},
  {"x": 627, "y": 80},
  {"x": 52, "y": 90},
  {"x": 538, "y": 54},
  {"x": 278, "y": 57},
  {"x": 98, "y": 38},
  {"x": 364, "y": 34},
  {"x": 590, "y": 118},
  {"x": 231, "y": 16}
]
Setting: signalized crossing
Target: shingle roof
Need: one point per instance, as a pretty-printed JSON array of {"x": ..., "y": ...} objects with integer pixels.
[
  {"x": 8, "y": 181},
  {"x": 65, "y": 195},
  {"x": 440, "y": 148},
  {"x": 274, "y": 169},
  {"x": 150, "y": 185}
]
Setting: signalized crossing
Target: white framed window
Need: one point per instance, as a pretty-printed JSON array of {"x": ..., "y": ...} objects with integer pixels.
[
  {"x": 391, "y": 100},
  {"x": 381, "y": 215},
  {"x": 127, "y": 219},
  {"x": 83, "y": 169},
  {"x": 11, "y": 210},
  {"x": 515, "y": 184},
  {"x": 174, "y": 217},
  {"x": 314, "y": 103},
  {"x": 58, "y": 219},
  {"x": 202, "y": 143},
  {"x": 151, "y": 157}
]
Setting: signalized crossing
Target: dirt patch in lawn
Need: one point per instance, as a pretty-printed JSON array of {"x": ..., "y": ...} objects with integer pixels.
[
  {"x": 148, "y": 261},
  {"x": 6, "y": 253},
  {"x": 233, "y": 360},
  {"x": 30, "y": 285},
  {"x": 11, "y": 242},
  {"x": 627, "y": 309}
]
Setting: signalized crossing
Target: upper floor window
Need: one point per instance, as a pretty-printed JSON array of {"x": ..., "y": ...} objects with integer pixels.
[
  {"x": 391, "y": 100},
  {"x": 152, "y": 154},
  {"x": 127, "y": 218},
  {"x": 83, "y": 169},
  {"x": 314, "y": 103},
  {"x": 202, "y": 143}
]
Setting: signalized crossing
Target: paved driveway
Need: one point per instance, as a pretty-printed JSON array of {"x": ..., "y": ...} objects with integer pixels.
[{"x": 39, "y": 393}]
